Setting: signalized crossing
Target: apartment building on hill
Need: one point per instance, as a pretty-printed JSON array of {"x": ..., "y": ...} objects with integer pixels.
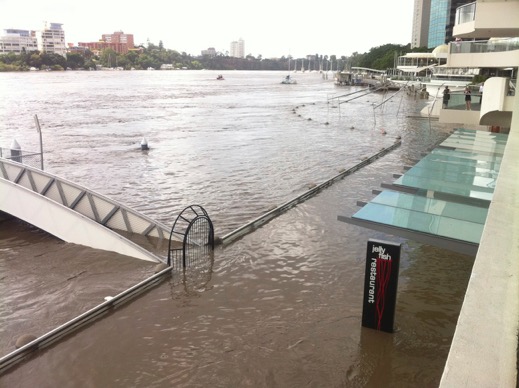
[
  {"x": 51, "y": 39},
  {"x": 120, "y": 42}
]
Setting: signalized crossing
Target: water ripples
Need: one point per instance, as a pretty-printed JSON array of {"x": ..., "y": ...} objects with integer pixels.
[{"x": 278, "y": 307}]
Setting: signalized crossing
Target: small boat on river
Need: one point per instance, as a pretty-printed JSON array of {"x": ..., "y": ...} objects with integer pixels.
[{"x": 288, "y": 80}]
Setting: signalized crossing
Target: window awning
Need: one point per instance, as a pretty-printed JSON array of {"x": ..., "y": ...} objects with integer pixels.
[{"x": 443, "y": 200}]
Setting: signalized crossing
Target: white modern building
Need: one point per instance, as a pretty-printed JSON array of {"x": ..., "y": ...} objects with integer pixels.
[
  {"x": 52, "y": 39},
  {"x": 484, "y": 349},
  {"x": 18, "y": 41},
  {"x": 238, "y": 49}
]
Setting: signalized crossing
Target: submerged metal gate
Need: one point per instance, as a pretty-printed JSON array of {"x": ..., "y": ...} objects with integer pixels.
[{"x": 196, "y": 230}]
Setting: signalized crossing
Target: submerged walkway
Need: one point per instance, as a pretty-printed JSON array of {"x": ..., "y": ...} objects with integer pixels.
[
  {"x": 484, "y": 348},
  {"x": 443, "y": 200}
]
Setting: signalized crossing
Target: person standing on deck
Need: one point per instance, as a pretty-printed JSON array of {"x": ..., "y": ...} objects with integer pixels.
[
  {"x": 468, "y": 98},
  {"x": 446, "y": 97}
]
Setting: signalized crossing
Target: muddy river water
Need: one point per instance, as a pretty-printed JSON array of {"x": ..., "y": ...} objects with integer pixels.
[{"x": 282, "y": 306}]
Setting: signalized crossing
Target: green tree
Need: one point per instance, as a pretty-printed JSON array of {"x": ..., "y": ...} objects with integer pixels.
[
  {"x": 145, "y": 61},
  {"x": 89, "y": 65},
  {"x": 108, "y": 57},
  {"x": 131, "y": 57},
  {"x": 35, "y": 60},
  {"x": 75, "y": 61},
  {"x": 53, "y": 61}
]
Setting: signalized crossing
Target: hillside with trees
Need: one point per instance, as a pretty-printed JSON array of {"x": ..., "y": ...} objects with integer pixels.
[{"x": 154, "y": 56}]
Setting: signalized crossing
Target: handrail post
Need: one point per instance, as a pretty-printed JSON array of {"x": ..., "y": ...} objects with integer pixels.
[{"x": 38, "y": 128}]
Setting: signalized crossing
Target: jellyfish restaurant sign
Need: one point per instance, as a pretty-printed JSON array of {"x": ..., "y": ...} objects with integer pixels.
[{"x": 380, "y": 285}]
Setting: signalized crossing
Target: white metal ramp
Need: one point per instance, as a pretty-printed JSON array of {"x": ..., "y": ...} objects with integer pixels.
[{"x": 79, "y": 215}]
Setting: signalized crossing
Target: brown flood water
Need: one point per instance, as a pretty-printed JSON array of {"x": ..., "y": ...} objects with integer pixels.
[{"x": 280, "y": 307}]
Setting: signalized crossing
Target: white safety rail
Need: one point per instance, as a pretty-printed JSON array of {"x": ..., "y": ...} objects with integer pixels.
[{"x": 79, "y": 215}]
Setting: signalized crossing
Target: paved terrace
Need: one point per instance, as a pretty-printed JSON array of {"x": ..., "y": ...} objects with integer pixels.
[{"x": 484, "y": 348}]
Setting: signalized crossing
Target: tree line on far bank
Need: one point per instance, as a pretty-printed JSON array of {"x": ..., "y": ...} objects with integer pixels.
[{"x": 381, "y": 58}]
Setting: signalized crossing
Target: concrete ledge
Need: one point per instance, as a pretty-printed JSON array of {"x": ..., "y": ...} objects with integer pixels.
[{"x": 484, "y": 348}]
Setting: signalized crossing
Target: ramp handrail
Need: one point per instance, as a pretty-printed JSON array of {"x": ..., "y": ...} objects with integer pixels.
[{"x": 105, "y": 211}]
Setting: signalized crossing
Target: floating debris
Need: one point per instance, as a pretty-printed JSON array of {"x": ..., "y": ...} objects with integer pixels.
[
  {"x": 158, "y": 268},
  {"x": 24, "y": 340}
]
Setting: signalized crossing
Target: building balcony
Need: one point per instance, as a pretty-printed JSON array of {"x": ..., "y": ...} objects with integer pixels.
[
  {"x": 457, "y": 113},
  {"x": 495, "y": 52},
  {"x": 485, "y": 19}
]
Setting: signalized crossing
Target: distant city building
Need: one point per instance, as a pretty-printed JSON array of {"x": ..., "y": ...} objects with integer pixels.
[
  {"x": 18, "y": 41},
  {"x": 120, "y": 42},
  {"x": 238, "y": 49},
  {"x": 421, "y": 15},
  {"x": 76, "y": 49},
  {"x": 120, "y": 37},
  {"x": 52, "y": 39},
  {"x": 49, "y": 40},
  {"x": 433, "y": 21},
  {"x": 210, "y": 52}
]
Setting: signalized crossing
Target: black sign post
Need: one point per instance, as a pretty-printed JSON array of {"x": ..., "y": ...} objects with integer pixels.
[{"x": 380, "y": 285}]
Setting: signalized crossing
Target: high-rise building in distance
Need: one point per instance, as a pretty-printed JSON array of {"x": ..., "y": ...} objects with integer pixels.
[
  {"x": 52, "y": 39},
  {"x": 433, "y": 21},
  {"x": 421, "y": 15},
  {"x": 238, "y": 49}
]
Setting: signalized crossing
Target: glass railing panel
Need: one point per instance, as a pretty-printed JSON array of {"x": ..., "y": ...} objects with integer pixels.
[
  {"x": 491, "y": 46},
  {"x": 478, "y": 156},
  {"x": 466, "y": 13},
  {"x": 457, "y": 102},
  {"x": 421, "y": 222},
  {"x": 471, "y": 187},
  {"x": 433, "y": 206}
]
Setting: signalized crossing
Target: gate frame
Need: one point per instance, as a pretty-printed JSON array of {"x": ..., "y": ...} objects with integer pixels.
[{"x": 185, "y": 235}]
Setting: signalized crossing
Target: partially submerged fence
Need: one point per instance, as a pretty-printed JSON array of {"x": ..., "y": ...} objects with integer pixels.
[
  {"x": 29, "y": 158},
  {"x": 193, "y": 245}
]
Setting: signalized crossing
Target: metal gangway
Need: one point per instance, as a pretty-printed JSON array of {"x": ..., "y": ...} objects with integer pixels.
[{"x": 78, "y": 215}]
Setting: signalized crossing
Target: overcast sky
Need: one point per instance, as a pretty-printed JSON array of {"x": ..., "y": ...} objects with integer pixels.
[{"x": 269, "y": 28}]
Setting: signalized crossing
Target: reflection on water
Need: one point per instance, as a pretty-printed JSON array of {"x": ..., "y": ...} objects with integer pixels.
[{"x": 278, "y": 307}]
